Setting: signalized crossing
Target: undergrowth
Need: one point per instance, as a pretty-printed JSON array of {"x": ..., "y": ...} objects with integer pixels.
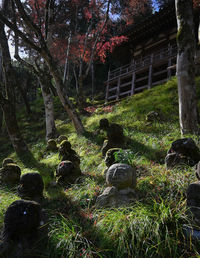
[{"x": 153, "y": 225}]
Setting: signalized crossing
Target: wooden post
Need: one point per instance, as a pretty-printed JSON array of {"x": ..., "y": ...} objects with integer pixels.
[
  {"x": 118, "y": 87},
  {"x": 133, "y": 83},
  {"x": 169, "y": 74},
  {"x": 150, "y": 72},
  {"x": 107, "y": 87}
]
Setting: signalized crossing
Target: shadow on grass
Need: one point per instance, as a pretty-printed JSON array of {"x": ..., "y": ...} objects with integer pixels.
[
  {"x": 30, "y": 162},
  {"x": 151, "y": 154}
]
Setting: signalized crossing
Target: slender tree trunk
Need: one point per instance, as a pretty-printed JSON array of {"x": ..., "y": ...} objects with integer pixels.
[
  {"x": 24, "y": 96},
  {"x": 64, "y": 99},
  {"x": 51, "y": 131},
  {"x": 8, "y": 103},
  {"x": 1, "y": 120},
  {"x": 188, "y": 114}
]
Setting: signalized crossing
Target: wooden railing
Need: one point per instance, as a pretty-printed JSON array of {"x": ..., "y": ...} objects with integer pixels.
[{"x": 140, "y": 65}]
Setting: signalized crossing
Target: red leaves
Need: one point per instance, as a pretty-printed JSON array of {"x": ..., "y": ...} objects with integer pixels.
[{"x": 104, "y": 48}]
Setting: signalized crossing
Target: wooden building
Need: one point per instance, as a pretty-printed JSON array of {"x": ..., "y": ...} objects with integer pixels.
[{"x": 148, "y": 58}]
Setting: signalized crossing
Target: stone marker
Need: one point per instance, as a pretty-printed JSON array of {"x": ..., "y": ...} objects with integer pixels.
[
  {"x": 10, "y": 174},
  {"x": 121, "y": 181},
  {"x": 31, "y": 186}
]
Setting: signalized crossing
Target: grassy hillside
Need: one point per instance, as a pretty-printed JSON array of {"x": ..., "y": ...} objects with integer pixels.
[{"x": 153, "y": 225}]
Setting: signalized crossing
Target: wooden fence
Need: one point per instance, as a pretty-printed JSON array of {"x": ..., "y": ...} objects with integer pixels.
[{"x": 141, "y": 74}]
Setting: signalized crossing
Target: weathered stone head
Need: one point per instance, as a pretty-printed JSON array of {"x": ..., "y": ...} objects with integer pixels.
[
  {"x": 10, "y": 174},
  {"x": 51, "y": 145},
  {"x": 103, "y": 124},
  {"x": 7, "y": 161},
  {"x": 121, "y": 181},
  {"x": 110, "y": 156},
  {"x": 21, "y": 231},
  {"x": 121, "y": 176},
  {"x": 31, "y": 186},
  {"x": 61, "y": 138}
]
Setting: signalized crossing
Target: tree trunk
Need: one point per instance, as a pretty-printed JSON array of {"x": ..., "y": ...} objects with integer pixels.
[
  {"x": 51, "y": 132},
  {"x": 1, "y": 120},
  {"x": 64, "y": 99},
  {"x": 8, "y": 103},
  {"x": 188, "y": 114},
  {"x": 24, "y": 96},
  {"x": 12, "y": 127}
]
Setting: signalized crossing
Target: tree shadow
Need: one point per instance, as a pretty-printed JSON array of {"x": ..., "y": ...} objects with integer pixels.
[{"x": 152, "y": 154}]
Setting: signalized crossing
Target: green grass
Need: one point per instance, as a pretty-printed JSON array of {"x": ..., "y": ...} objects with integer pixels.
[{"x": 152, "y": 226}]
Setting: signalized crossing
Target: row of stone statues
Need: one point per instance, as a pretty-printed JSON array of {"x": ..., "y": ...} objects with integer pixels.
[{"x": 25, "y": 217}]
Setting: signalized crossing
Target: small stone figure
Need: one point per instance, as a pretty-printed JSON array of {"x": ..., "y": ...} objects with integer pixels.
[
  {"x": 182, "y": 151},
  {"x": 193, "y": 200},
  {"x": 51, "y": 145},
  {"x": 115, "y": 135},
  {"x": 10, "y": 174},
  {"x": 67, "y": 153},
  {"x": 7, "y": 161},
  {"x": 110, "y": 156},
  {"x": 152, "y": 117},
  {"x": 31, "y": 187},
  {"x": 67, "y": 173},
  {"x": 121, "y": 181},
  {"x": 61, "y": 138},
  {"x": 21, "y": 231}
]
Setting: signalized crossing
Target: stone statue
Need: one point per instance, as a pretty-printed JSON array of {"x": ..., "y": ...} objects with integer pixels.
[
  {"x": 121, "y": 181},
  {"x": 10, "y": 174},
  {"x": 31, "y": 187},
  {"x": 182, "y": 151}
]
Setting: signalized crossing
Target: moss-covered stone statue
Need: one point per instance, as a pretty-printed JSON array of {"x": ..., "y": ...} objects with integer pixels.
[
  {"x": 51, "y": 145},
  {"x": 67, "y": 153},
  {"x": 31, "y": 187},
  {"x": 7, "y": 161},
  {"x": 67, "y": 173},
  {"x": 24, "y": 230},
  {"x": 121, "y": 181},
  {"x": 61, "y": 138},
  {"x": 10, "y": 174},
  {"x": 115, "y": 135}
]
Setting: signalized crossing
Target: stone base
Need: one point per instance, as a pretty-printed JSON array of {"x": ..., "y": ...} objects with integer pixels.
[{"x": 112, "y": 197}]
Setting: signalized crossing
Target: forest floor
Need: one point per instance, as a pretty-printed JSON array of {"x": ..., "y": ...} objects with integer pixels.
[{"x": 153, "y": 225}]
